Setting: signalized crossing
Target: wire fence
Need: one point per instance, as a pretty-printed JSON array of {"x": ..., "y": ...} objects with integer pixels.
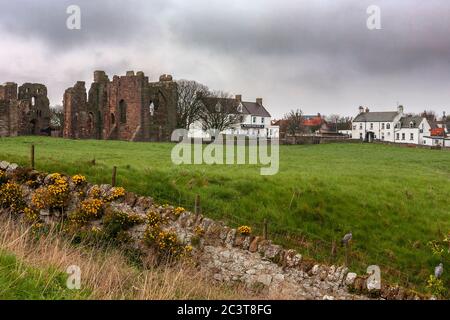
[{"x": 329, "y": 251}]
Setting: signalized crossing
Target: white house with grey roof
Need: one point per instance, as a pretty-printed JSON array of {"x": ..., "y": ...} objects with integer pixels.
[
  {"x": 370, "y": 126},
  {"x": 254, "y": 119},
  {"x": 390, "y": 126},
  {"x": 412, "y": 129}
]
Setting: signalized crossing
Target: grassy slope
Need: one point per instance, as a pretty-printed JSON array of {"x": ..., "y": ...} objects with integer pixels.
[
  {"x": 21, "y": 282},
  {"x": 393, "y": 199}
]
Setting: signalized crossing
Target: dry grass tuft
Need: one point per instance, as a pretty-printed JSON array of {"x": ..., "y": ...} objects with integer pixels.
[{"x": 106, "y": 272}]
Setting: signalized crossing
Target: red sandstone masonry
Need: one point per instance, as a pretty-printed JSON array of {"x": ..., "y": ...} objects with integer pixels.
[{"x": 120, "y": 109}]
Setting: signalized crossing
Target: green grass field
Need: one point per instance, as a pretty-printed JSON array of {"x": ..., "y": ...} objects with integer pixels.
[
  {"x": 393, "y": 199},
  {"x": 21, "y": 282}
]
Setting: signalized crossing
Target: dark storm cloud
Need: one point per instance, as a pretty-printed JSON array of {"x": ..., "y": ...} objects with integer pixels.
[
  {"x": 412, "y": 34},
  {"x": 317, "y": 55},
  {"x": 103, "y": 21}
]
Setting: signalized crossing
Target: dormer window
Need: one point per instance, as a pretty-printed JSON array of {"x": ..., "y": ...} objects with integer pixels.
[
  {"x": 239, "y": 108},
  {"x": 411, "y": 124},
  {"x": 218, "y": 107}
]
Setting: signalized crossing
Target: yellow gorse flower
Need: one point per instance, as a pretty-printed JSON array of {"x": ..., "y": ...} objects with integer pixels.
[
  {"x": 115, "y": 193},
  {"x": 11, "y": 196},
  {"x": 244, "y": 230},
  {"x": 78, "y": 179},
  {"x": 179, "y": 210},
  {"x": 92, "y": 207}
]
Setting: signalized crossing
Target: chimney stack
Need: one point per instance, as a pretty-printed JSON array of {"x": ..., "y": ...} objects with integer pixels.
[
  {"x": 239, "y": 98},
  {"x": 367, "y": 110},
  {"x": 400, "y": 109},
  {"x": 259, "y": 101},
  {"x": 361, "y": 109}
]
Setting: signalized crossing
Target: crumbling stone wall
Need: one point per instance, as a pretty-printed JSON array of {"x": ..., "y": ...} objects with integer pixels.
[
  {"x": 127, "y": 108},
  {"x": 220, "y": 251},
  {"x": 24, "y": 110}
]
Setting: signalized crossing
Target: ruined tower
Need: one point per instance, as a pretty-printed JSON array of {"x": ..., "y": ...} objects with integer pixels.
[
  {"x": 126, "y": 108},
  {"x": 24, "y": 110}
]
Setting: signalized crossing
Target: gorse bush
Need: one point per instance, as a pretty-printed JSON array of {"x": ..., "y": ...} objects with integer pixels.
[
  {"x": 54, "y": 195},
  {"x": 11, "y": 197},
  {"x": 116, "y": 222},
  {"x": 3, "y": 178}
]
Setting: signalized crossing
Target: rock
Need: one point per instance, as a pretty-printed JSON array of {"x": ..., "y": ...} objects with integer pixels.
[
  {"x": 254, "y": 244},
  {"x": 229, "y": 241},
  {"x": 265, "y": 279},
  {"x": 144, "y": 203},
  {"x": 223, "y": 233},
  {"x": 278, "y": 277},
  {"x": 315, "y": 270},
  {"x": 350, "y": 279},
  {"x": 206, "y": 222},
  {"x": 4, "y": 165},
  {"x": 12, "y": 167},
  {"x": 325, "y": 297},
  {"x": 272, "y": 252},
  {"x": 130, "y": 199},
  {"x": 291, "y": 258},
  {"x": 238, "y": 241},
  {"x": 246, "y": 242}
]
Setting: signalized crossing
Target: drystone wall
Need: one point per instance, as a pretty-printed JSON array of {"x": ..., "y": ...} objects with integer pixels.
[{"x": 222, "y": 252}]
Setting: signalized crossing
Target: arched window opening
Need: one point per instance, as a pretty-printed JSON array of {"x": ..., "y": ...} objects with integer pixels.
[
  {"x": 123, "y": 111},
  {"x": 33, "y": 101},
  {"x": 152, "y": 108},
  {"x": 113, "y": 119},
  {"x": 90, "y": 123}
]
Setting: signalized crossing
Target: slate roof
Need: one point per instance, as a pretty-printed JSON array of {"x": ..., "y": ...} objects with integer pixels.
[
  {"x": 376, "y": 116},
  {"x": 231, "y": 105},
  {"x": 255, "y": 109},
  {"x": 405, "y": 121}
]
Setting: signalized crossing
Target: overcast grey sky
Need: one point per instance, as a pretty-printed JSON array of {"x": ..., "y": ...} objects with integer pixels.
[{"x": 316, "y": 55}]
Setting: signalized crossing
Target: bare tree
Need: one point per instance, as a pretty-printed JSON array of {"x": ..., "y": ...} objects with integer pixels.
[
  {"x": 430, "y": 115},
  {"x": 57, "y": 117},
  {"x": 219, "y": 112},
  {"x": 189, "y": 107},
  {"x": 292, "y": 123}
]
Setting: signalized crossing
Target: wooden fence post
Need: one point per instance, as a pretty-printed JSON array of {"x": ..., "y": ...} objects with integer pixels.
[
  {"x": 333, "y": 250},
  {"x": 32, "y": 157},
  {"x": 265, "y": 234},
  {"x": 197, "y": 208},
  {"x": 113, "y": 179},
  {"x": 347, "y": 254}
]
